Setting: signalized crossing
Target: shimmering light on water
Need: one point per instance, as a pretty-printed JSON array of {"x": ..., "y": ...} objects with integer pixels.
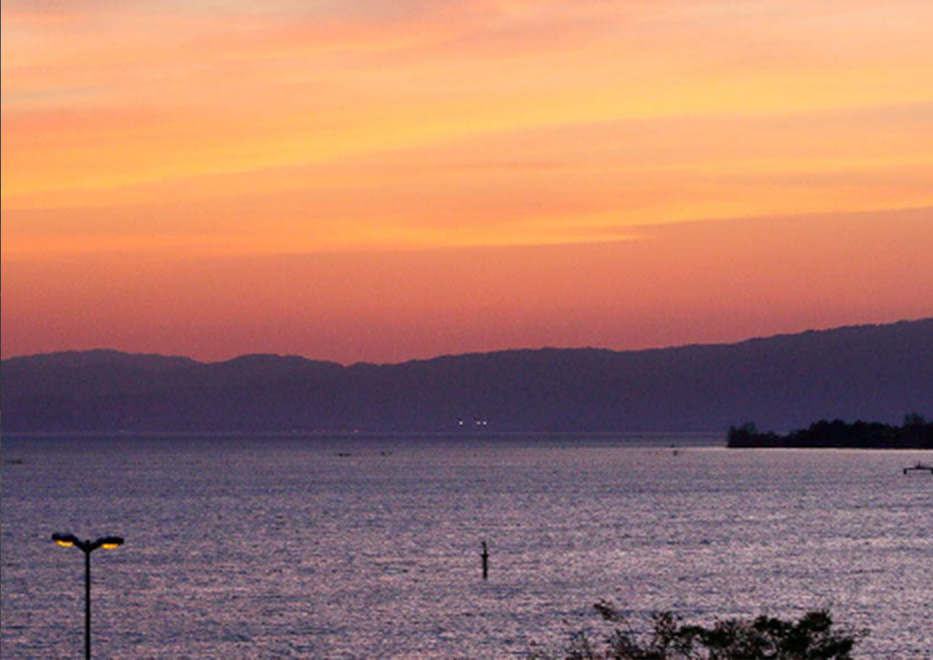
[{"x": 369, "y": 547}]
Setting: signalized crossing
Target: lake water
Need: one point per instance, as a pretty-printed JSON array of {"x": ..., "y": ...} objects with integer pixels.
[{"x": 369, "y": 547}]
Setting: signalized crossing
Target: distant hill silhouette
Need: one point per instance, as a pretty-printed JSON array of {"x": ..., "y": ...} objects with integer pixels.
[{"x": 875, "y": 373}]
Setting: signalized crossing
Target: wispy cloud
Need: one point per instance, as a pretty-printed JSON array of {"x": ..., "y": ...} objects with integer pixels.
[{"x": 183, "y": 130}]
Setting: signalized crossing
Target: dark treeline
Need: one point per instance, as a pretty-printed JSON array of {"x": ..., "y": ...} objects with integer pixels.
[
  {"x": 812, "y": 637},
  {"x": 915, "y": 433}
]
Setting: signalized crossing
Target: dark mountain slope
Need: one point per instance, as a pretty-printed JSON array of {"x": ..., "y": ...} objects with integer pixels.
[{"x": 864, "y": 372}]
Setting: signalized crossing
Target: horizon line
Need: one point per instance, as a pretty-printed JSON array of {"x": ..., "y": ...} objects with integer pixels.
[{"x": 440, "y": 356}]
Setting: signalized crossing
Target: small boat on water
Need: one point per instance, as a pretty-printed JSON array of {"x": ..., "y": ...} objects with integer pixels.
[{"x": 919, "y": 467}]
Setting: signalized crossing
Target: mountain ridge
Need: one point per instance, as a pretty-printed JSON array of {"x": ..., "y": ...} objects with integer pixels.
[
  {"x": 878, "y": 372},
  {"x": 82, "y": 354}
]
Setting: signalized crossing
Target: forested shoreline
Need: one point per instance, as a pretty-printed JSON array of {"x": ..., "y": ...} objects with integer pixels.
[{"x": 915, "y": 433}]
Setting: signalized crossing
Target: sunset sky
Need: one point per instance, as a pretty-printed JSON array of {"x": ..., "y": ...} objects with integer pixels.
[{"x": 379, "y": 181}]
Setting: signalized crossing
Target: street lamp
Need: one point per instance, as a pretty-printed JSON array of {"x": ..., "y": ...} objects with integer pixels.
[{"x": 87, "y": 547}]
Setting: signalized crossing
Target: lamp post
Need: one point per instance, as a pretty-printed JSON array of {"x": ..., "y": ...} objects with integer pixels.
[{"x": 87, "y": 547}]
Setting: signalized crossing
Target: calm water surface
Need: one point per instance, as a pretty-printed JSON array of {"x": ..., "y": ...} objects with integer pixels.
[{"x": 368, "y": 547}]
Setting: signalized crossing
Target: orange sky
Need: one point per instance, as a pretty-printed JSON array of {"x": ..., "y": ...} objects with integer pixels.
[{"x": 379, "y": 181}]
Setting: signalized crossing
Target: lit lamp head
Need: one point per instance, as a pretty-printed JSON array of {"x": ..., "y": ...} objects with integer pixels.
[
  {"x": 72, "y": 541},
  {"x": 110, "y": 542},
  {"x": 65, "y": 540}
]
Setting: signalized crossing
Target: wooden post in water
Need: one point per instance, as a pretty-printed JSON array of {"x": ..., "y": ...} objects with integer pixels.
[{"x": 485, "y": 557}]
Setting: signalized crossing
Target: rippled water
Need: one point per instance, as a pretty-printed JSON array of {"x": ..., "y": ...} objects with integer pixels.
[{"x": 369, "y": 547}]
